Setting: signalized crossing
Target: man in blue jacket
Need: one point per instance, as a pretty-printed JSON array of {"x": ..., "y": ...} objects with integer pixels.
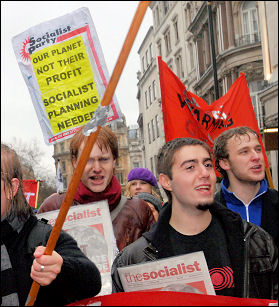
[{"x": 244, "y": 189}]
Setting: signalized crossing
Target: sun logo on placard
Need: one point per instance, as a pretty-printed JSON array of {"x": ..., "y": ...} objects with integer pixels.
[{"x": 23, "y": 52}]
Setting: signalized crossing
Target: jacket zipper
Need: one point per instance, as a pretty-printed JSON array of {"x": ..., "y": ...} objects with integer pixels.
[
  {"x": 151, "y": 252},
  {"x": 246, "y": 260}
]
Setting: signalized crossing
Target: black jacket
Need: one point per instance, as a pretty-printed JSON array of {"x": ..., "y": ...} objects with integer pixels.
[
  {"x": 79, "y": 277},
  {"x": 253, "y": 254},
  {"x": 270, "y": 211}
]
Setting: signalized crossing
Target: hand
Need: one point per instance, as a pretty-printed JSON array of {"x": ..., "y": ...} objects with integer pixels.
[
  {"x": 154, "y": 211},
  {"x": 52, "y": 266}
]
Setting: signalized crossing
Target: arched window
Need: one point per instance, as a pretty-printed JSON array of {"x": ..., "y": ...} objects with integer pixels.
[
  {"x": 191, "y": 53},
  {"x": 250, "y": 22}
]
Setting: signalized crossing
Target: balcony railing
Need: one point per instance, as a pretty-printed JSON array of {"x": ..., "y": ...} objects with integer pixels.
[{"x": 247, "y": 39}]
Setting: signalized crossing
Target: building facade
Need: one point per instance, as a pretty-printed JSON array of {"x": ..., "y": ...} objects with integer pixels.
[
  {"x": 181, "y": 36},
  {"x": 268, "y": 10},
  {"x": 135, "y": 146}
]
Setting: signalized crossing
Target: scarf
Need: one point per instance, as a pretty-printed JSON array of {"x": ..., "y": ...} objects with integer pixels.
[{"x": 112, "y": 193}]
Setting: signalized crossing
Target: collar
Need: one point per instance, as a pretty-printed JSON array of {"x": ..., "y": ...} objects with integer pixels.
[
  {"x": 16, "y": 223},
  {"x": 230, "y": 196}
]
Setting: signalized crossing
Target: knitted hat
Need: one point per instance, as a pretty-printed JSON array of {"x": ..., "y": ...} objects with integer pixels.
[
  {"x": 152, "y": 199},
  {"x": 140, "y": 173}
]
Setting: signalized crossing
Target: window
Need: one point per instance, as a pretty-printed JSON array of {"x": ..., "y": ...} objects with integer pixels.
[
  {"x": 62, "y": 147},
  {"x": 65, "y": 184},
  {"x": 250, "y": 22},
  {"x": 191, "y": 54},
  {"x": 64, "y": 166},
  {"x": 179, "y": 69},
  {"x": 170, "y": 64},
  {"x": 175, "y": 25},
  {"x": 150, "y": 97},
  {"x": 157, "y": 125},
  {"x": 166, "y": 6},
  {"x": 150, "y": 52},
  {"x": 154, "y": 89},
  {"x": 186, "y": 18},
  {"x": 188, "y": 14},
  {"x": 254, "y": 88},
  {"x": 149, "y": 135},
  {"x": 146, "y": 102},
  {"x": 153, "y": 130},
  {"x": 143, "y": 67},
  {"x": 155, "y": 166},
  {"x": 157, "y": 19},
  {"x": 136, "y": 164},
  {"x": 120, "y": 177},
  {"x": 151, "y": 165},
  {"x": 167, "y": 42},
  {"x": 146, "y": 57},
  {"x": 159, "y": 46}
]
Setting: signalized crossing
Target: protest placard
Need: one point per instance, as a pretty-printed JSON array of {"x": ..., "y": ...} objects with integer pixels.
[
  {"x": 62, "y": 63},
  {"x": 90, "y": 225},
  {"x": 186, "y": 273}
]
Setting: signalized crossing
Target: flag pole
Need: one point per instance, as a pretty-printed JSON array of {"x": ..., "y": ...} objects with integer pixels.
[
  {"x": 37, "y": 194},
  {"x": 269, "y": 178},
  {"x": 90, "y": 140},
  {"x": 213, "y": 56}
]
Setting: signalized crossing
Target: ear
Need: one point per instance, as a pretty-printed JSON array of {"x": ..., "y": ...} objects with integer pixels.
[
  {"x": 15, "y": 186},
  {"x": 165, "y": 181},
  {"x": 225, "y": 164}
]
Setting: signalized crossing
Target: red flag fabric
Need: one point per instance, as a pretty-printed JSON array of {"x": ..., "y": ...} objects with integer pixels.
[
  {"x": 187, "y": 115},
  {"x": 170, "y": 298},
  {"x": 30, "y": 191}
]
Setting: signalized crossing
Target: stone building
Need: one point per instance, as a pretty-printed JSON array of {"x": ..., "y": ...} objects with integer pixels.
[
  {"x": 180, "y": 35},
  {"x": 268, "y": 10},
  {"x": 135, "y": 146}
]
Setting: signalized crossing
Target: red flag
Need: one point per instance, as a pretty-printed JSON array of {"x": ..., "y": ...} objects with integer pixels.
[
  {"x": 168, "y": 298},
  {"x": 30, "y": 189},
  {"x": 187, "y": 115}
]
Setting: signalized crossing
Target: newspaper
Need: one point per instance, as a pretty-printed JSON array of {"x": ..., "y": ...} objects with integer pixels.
[
  {"x": 90, "y": 225},
  {"x": 186, "y": 273}
]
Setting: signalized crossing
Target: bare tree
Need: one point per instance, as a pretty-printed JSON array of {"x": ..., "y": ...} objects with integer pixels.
[{"x": 32, "y": 156}]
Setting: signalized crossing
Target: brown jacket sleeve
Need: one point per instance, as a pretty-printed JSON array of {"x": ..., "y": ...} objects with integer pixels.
[
  {"x": 53, "y": 202},
  {"x": 133, "y": 220}
]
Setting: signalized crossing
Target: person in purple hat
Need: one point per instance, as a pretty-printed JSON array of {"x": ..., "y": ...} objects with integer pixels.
[{"x": 142, "y": 184}]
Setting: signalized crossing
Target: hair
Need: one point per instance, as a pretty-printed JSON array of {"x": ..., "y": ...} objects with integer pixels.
[
  {"x": 11, "y": 168},
  {"x": 165, "y": 157},
  {"x": 106, "y": 139},
  {"x": 220, "y": 151},
  {"x": 127, "y": 192}
]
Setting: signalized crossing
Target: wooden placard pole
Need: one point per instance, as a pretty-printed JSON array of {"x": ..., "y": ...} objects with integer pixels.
[
  {"x": 90, "y": 140},
  {"x": 269, "y": 177}
]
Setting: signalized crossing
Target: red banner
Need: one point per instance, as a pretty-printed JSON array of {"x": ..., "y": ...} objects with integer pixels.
[
  {"x": 30, "y": 188},
  {"x": 187, "y": 115},
  {"x": 169, "y": 298}
]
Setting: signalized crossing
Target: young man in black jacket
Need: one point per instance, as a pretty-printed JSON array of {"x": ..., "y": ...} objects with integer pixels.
[
  {"x": 242, "y": 255},
  {"x": 244, "y": 189},
  {"x": 65, "y": 276}
]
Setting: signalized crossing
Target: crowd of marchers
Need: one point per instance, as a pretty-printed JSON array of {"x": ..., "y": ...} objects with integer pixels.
[{"x": 236, "y": 227}]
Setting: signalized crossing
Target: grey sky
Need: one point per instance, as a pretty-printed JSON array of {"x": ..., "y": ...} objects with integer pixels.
[{"x": 112, "y": 20}]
